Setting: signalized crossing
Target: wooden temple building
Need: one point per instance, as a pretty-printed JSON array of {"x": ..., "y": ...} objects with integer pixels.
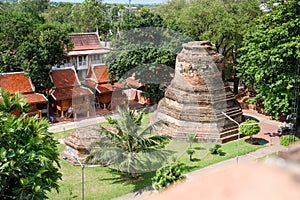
[
  {"x": 15, "y": 82},
  {"x": 97, "y": 81},
  {"x": 68, "y": 92}
]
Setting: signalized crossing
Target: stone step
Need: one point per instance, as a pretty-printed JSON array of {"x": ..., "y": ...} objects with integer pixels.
[
  {"x": 227, "y": 133},
  {"x": 231, "y": 138}
]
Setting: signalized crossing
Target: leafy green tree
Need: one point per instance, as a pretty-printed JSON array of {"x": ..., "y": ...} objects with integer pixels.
[
  {"x": 15, "y": 27},
  {"x": 249, "y": 127},
  {"x": 88, "y": 15},
  {"x": 130, "y": 148},
  {"x": 223, "y": 22},
  {"x": 44, "y": 48},
  {"x": 60, "y": 13},
  {"x": 268, "y": 59},
  {"x": 144, "y": 45},
  {"x": 33, "y": 6},
  {"x": 190, "y": 152},
  {"x": 28, "y": 154},
  {"x": 170, "y": 12},
  {"x": 31, "y": 45}
]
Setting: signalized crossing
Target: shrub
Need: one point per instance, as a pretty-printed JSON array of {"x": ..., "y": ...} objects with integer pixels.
[
  {"x": 190, "y": 152},
  {"x": 249, "y": 127},
  {"x": 216, "y": 149},
  {"x": 288, "y": 139},
  {"x": 167, "y": 175},
  {"x": 221, "y": 152}
]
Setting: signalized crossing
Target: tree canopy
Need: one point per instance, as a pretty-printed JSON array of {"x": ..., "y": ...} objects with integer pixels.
[
  {"x": 221, "y": 22},
  {"x": 144, "y": 41},
  {"x": 268, "y": 59},
  {"x": 88, "y": 16},
  {"x": 30, "y": 44}
]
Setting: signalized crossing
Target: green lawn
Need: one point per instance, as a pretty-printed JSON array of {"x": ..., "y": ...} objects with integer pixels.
[{"x": 103, "y": 183}]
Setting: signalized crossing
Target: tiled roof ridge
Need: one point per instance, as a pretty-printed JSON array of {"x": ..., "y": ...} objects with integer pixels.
[{"x": 84, "y": 33}]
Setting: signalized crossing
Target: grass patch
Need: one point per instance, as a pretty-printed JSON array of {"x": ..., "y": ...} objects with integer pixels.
[
  {"x": 104, "y": 183},
  {"x": 202, "y": 157},
  {"x": 100, "y": 183}
]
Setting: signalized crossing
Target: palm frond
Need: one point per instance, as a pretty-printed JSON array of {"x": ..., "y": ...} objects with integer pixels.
[
  {"x": 130, "y": 148},
  {"x": 152, "y": 128}
]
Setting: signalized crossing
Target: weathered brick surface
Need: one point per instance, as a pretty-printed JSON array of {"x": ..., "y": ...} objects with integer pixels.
[{"x": 197, "y": 96}]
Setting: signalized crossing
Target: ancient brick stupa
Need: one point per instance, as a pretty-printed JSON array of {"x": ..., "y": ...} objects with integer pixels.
[{"x": 197, "y": 97}]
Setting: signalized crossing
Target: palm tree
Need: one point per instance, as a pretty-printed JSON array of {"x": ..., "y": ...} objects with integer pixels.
[
  {"x": 16, "y": 102},
  {"x": 130, "y": 147}
]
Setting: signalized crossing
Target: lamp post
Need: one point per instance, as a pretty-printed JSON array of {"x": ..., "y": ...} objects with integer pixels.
[
  {"x": 239, "y": 125},
  {"x": 82, "y": 169}
]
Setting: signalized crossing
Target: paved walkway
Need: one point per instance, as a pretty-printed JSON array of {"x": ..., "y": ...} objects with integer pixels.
[
  {"x": 75, "y": 124},
  {"x": 268, "y": 132}
]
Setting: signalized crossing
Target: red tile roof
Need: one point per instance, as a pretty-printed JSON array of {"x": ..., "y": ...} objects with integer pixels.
[
  {"x": 85, "y": 41},
  {"x": 19, "y": 82},
  {"x": 105, "y": 88},
  {"x": 98, "y": 78},
  {"x": 35, "y": 98},
  {"x": 64, "y": 77},
  {"x": 69, "y": 93},
  {"x": 67, "y": 85},
  {"x": 90, "y": 83},
  {"x": 16, "y": 82},
  {"x": 101, "y": 73},
  {"x": 133, "y": 82}
]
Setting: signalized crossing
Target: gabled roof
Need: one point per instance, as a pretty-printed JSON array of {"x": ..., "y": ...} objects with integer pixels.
[
  {"x": 34, "y": 98},
  {"x": 64, "y": 77},
  {"x": 70, "y": 92},
  {"x": 98, "y": 74},
  {"x": 66, "y": 84},
  {"x": 104, "y": 88},
  {"x": 18, "y": 82},
  {"x": 85, "y": 41},
  {"x": 133, "y": 83},
  {"x": 97, "y": 78}
]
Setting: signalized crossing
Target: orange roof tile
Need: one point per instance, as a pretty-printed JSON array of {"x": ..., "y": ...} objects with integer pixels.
[
  {"x": 69, "y": 93},
  {"x": 89, "y": 83},
  {"x": 67, "y": 85},
  {"x": 35, "y": 98},
  {"x": 85, "y": 41},
  {"x": 101, "y": 73},
  {"x": 16, "y": 82},
  {"x": 98, "y": 79},
  {"x": 64, "y": 77},
  {"x": 105, "y": 88},
  {"x": 19, "y": 82}
]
